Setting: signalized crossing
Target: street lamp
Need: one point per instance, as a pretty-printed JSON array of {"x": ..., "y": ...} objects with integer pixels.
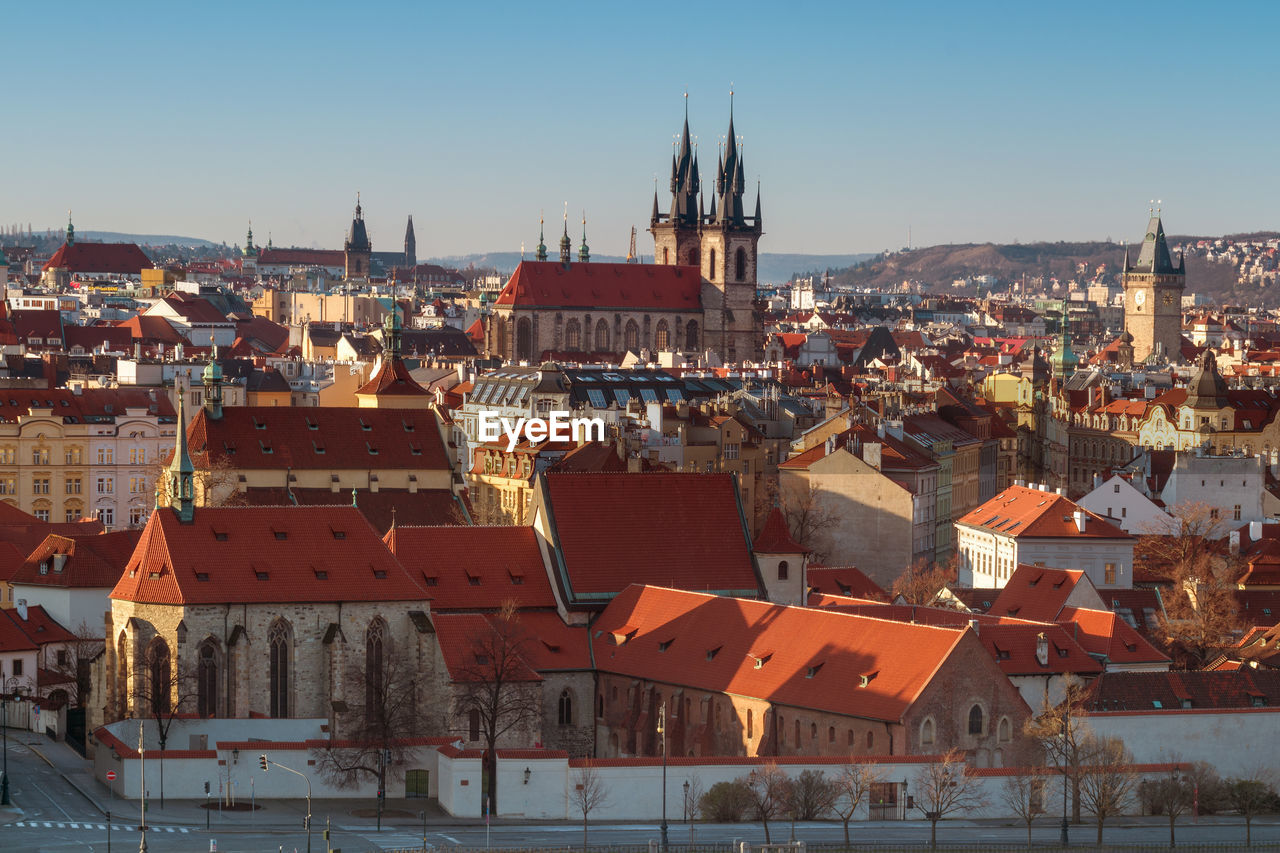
[
  {"x": 1066, "y": 736},
  {"x": 662, "y": 731},
  {"x": 264, "y": 762},
  {"x": 4, "y": 784}
]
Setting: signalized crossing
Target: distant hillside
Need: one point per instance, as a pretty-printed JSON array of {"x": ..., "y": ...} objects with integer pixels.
[
  {"x": 774, "y": 268},
  {"x": 938, "y": 266},
  {"x": 143, "y": 239}
]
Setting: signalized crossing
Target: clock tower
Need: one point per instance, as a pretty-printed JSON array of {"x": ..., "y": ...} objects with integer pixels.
[{"x": 1153, "y": 288}]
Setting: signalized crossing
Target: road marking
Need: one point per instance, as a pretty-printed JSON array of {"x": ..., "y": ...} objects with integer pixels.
[
  {"x": 48, "y": 825},
  {"x": 449, "y": 838},
  {"x": 183, "y": 829}
]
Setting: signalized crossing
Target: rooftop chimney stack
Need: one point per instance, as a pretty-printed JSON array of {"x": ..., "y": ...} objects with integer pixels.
[
  {"x": 1080, "y": 520},
  {"x": 1042, "y": 649}
]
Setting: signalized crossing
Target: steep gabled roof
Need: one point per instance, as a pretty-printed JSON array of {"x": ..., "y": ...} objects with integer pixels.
[
  {"x": 775, "y": 537},
  {"x": 843, "y": 580},
  {"x": 1031, "y": 514},
  {"x": 795, "y": 656},
  {"x": 39, "y": 627},
  {"x": 474, "y": 568},
  {"x": 116, "y": 258},
  {"x": 683, "y": 530},
  {"x": 1014, "y": 649},
  {"x": 263, "y": 555},
  {"x": 1038, "y": 593},
  {"x": 603, "y": 287},
  {"x": 93, "y": 561},
  {"x": 464, "y": 637},
  {"x": 1103, "y": 633}
]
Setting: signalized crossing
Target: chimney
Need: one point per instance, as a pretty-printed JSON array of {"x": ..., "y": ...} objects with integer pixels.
[
  {"x": 871, "y": 454},
  {"x": 1060, "y": 492},
  {"x": 880, "y": 429},
  {"x": 1042, "y": 649},
  {"x": 21, "y": 606},
  {"x": 1097, "y": 481},
  {"x": 1255, "y": 530},
  {"x": 1080, "y": 520},
  {"x": 973, "y": 626}
]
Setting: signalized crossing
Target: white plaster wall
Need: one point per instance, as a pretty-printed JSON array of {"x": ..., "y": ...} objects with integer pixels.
[{"x": 1234, "y": 742}]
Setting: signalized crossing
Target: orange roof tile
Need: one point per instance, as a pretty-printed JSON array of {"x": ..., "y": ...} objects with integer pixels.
[
  {"x": 474, "y": 568},
  {"x": 1102, "y": 632},
  {"x": 1035, "y": 592},
  {"x": 775, "y": 538},
  {"x": 1030, "y": 513},
  {"x": 603, "y": 287}
]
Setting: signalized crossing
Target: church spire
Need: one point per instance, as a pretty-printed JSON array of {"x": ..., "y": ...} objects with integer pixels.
[
  {"x": 250, "y": 250},
  {"x": 566, "y": 244},
  {"x": 584, "y": 254},
  {"x": 541, "y": 254},
  {"x": 71, "y": 231},
  {"x": 410, "y": 245},
  {"x": 181, "y": 471}
]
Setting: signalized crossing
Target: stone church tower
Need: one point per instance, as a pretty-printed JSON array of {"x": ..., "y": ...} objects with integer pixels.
[
  {"x": 722, "y": 243},
  {"x": 357, "y": 248},
  {"x": 1153, "y": 289}
]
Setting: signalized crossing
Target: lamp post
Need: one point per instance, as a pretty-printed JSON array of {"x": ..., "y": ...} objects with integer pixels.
[
  {"x": 1066, "y": 737},
  {"x": 687, "y": 821},
  {"x": 265, "y": 762},
  {"x": 142, "y": 772},
  {"x": 662, "y": 732},
  {"x": 4, "y": 784}
]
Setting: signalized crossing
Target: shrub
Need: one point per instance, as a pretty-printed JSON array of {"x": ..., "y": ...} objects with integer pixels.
[{"x": 726, "y": 802}]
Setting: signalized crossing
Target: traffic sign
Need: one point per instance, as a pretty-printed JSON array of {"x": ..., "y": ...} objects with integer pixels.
[{"x": 111, "y": 775}]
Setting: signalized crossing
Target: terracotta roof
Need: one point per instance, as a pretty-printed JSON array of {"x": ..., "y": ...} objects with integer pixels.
[
  {"x": 264, "y": 555},
  {"x": 1140, "y": 607},
  {"x": 684, "y": 530},
  {"x": 39, "y": 626},
  {"x": 590, "y": 456},
  {"x": 1175, "y": 690},
  {"x": 1034, "y": 592},
  {"x": 152, "y": 329},
  {"x": 97, "y": 403},
  {"x": 90, "y": 338},
  {"x": 794, "y": 656},
  {"x": 13, "y": 638},
  {"x": 194, "y": 309},
  {"x": 1103, "y": 633},
  {"x": 1030, "y": 513},
  {"x": 604, "y": 287},
  {"x": 474, "y": 568},
  {"x": 464, "y": 636},
  {"x": 843, "y": 580},
  {"x": 328, "y": 437},
  {"x": 302, "y": 257},
  {"x": 775, "y": 538},
  {"x": 425, "y": 506},
  {"x": 1014, "y": 649},
  {"x": 392, "y": 380},
  {"x": 117, "y": 258},
  {"x": 93, "y": 560}
]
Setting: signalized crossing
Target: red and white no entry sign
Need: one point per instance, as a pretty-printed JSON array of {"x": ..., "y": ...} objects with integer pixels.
[{"x": 111, "y": 775}]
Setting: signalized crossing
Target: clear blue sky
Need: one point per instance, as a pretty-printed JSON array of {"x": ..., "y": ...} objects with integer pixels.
[{"x": 963, "y": 121}]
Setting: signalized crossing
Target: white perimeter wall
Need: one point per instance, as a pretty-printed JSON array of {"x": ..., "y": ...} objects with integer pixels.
[{"x": 1234, "y": 742}]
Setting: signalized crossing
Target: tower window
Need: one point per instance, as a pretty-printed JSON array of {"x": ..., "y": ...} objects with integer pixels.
[
  {"x": 712, "y": 257},
  {"x": 740, "y": 265}
]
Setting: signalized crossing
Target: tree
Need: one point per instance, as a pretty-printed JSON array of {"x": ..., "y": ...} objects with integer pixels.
[
  {"x": 921, "y": 582},
  {"x": 1106, "y": 778},
  {"x": 496, "y": 687},
  {"x": 1024, "y": 795},
  {"x": 80, "y": 653},
  {"x": 945, "y": 787},
  {"x": 1171, "y": 796},
  {"x": 1061, "y": 732},
  {"x": 1252, "y": 795},
  {"x": 1190, "y": 534},
  {"x": 371, "y": 729},
  {"x": 807, "y": 515},
  {"x": 852, "y": 785},
  {"x": 1201, "y": 614},
  {"x": 588, "y": 794},
  {"x": 164, "y": 692},
  {"x": 726, "y": 802},
  {"x": 770, "y": 794}
]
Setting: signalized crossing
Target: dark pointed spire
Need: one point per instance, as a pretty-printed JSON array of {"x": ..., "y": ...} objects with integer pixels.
[
  {"x": 181, "y": 471},
  {"x": 410, "y": 244},
  {"x": 1154, "y": 256},
  {"x": 759, "y": 218},
  {"x": 653, "y": 217},
  {"x": 566, "y": 245},
  {"x": 357, "y": 236},
  {"x": 584, "y": 254},
  {"x": 71, "y": 231},
  {"x": 250, "y": 250},
  {"x": 684, "y": 176},
  {"x": 541, "y": 253}
]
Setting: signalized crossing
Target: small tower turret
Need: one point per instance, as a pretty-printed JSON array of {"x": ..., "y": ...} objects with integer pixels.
[
  {"x": 213, "y": 387},
  {"x": 541, "y": 254},
  {"x": 181, "y": 472},
  {"x": 584, "y": 253},
  {"x": 71, "y": 231}
]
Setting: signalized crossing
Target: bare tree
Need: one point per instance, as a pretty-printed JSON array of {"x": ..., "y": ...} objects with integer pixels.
[
  {"x": 1201, "y": 615},
  {"x": 945, "y": 787},
  {"x": 77, "y": 660},
  {"x": 165, "y": 691},
  {"x": 497, "y": 687},
  {"x": 807, "y": 515},
  {"x": 1171, "y": 796},
  {"x": 1251, "y": 795},
  {"x": 770, "y": 794},
  {"x": 692, "y": 802},
  {"x": 852, "y": 785},
  {"x": 588, "y": 794},
  {"x": 921, "y": 582},
  {"x": 1061, "y": 732},
  {"x": 372, "y": 728},
  {"x": 1023, "y": 793},
  {"x": 1107, "y": 779}
]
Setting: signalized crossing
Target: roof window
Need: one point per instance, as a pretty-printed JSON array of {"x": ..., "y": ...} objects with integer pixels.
[
  {"x": 431, "y": 580},
  {"x": 338, "y": 534},
  {"x": 202, "y": 576},
  {"x": 262, "y": 575},
  {"x": 380, "y": 574},
  {"x": 364, "y": 426},
  {"x": 868, "y": 678},
  {"x": 814, "y": 670},
  {"x": 321, "y": 574},
  {"x": 474, "y": 580},
  {"x": 257, "y": 424},
  {"x": 711, "y": 653},
  {"x": 281, "y": 534},
  {"x": 220, "y": 535}
]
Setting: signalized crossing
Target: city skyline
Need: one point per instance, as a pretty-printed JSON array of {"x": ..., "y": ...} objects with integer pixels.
[{"x": 862, "y": 124}]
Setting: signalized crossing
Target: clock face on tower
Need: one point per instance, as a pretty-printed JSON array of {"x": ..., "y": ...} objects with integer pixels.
[{"x": 1140, "y": 298}]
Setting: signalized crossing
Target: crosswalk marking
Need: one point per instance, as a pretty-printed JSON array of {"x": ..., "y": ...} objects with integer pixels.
[{"x": 116, "y": 827}]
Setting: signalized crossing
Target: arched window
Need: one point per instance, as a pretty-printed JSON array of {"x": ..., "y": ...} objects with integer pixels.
[
  {"x": 848, "y": 738},
  {"x": 783, "y": 570},
  {"x": 712, "y": 274},
  {"x": 565, "y": 715},
  {"x": 374, "y": 668},
  {"x": 631, "y": 336},
  {"x": 524, "y": 339},
  {"x": 278, "y": 677},
  {"x": 600, "y": 706},
  {"x": 871, "y": 741},
  {"x": 662, "y": 336},
  {"x": 750, "y": 724},
  {"x": 975, "y": 720},
  {"x": 695, "y": 257},
  {"x": 159, "y": 685},
  {"x": 831, "y": 734},
  {"x": 926, "y": 731},
  {"x": 1004, "y": 731},
  {"x": 740, "y": 264},
  {"x": 207, "y": 679},
  {"x": 573, "y": 336},
  {"x": 797, "y": 733},
  {"x": 691, "y": 336},
  {"x": 122, "y": 674},
  {"x": 602, "y": 336},
  {"x": 666, "y": 254},
  {"x": 502, "y": 336}
]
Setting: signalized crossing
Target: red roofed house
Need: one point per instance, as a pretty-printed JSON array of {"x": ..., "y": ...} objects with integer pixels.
[
  {"x": 71, "y": 575},
  {"x": 1040, "y": 527},
  {"x": 93, "y": 261},
  {"x": 197, "y": 319},
  {"x": 749, "y": 678}
]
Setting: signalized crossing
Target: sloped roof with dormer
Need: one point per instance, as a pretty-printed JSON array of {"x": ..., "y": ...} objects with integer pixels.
[{"x": 603, "y": 287}]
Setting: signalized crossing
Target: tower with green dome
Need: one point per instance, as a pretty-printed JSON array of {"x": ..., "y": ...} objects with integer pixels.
[
  {"x": 1064, "y": 360},
  {"x": 212, "y": 378}
]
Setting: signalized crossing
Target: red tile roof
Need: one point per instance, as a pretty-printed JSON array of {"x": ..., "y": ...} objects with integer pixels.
[
  {"x": 151, "y": 329},
  {"x": 1103, "y": 633},
  {"x": 464, "y": 637},
  {"x": 90, "y": 402},
  {"x": 303, "y": 257},
  {"x": 381, "y": 508},
  {"x": 683, "y": 530},
  {"x": 89, "y": 338},
  {"x": 117, "y": 258},
  {"x": 474, "y": 568},
  {"x": 93, "y": 561},
  {"x": 775, "y": 538},
  {"x": 329, "y": 437},
  {"x": 1014, "y": 650},
  {"x": 264, "y": 555},
  {"x": 1171, "y": 691},
  {"x": 39, "y": 626},
  {"x": 603, "y": 287},
  {"x": 392, "y": 380},
  {"x": 843, "y": 580},
  {"x": 194, "y": 309},
  {"x": 13, "y": 638},
  {"x": 1038, "y": 593},
  {"x": 1030, "y": 513},
  {"x": 794, "y": 656}
]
